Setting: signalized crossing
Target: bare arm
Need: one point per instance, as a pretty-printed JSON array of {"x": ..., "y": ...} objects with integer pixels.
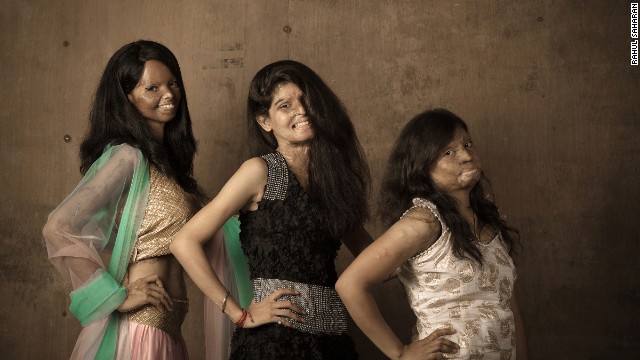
[
  {"x": 403, "y": 240},
  {"x": 242, "y": 190}
]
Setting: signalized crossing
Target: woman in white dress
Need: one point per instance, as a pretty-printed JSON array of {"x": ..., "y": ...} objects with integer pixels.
[{"x": 450, "y": 246}]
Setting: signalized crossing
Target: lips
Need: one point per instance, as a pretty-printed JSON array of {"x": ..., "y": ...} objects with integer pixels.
[{"x": 470, "y": 174}]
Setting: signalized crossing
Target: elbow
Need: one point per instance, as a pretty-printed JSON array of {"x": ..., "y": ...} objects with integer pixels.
[
  {"x": 50, "y": 229},
  {"x": 46, "y": 230},
  {"x": 175, "y": 246},
  {"x": 350, "y": 286},
  {"x": 351, "y": 291},
  {"x": 343, "y": 285},
  {"x": 180, "y": 245},
  {"x": 340, "y": 286}
]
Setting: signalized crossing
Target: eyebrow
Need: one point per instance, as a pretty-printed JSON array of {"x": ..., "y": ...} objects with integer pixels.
[{"x": 279, "y": 101}]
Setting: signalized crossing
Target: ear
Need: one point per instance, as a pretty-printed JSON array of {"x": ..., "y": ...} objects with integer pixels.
[
  {"x": 264, "y": 122},
  {"x": 130, "y": 97}
]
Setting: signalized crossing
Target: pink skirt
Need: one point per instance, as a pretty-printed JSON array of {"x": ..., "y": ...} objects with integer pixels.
[
  {"x": 150, "y": 343},
  {"x": 153, "y": 334}
]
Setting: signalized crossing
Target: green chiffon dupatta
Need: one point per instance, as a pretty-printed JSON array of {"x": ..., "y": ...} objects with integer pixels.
[{"x": 104, "y": 293}]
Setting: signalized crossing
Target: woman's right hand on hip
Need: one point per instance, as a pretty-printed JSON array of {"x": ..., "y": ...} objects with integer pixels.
[
  {"x": 270, "y": 310},
  {"x": 146, "y": 290}
]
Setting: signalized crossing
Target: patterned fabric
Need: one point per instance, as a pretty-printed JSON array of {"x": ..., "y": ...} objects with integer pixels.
[
  {"x": 167, "y": 321},
  {"x": 445, "y": 291},
  {"x": 169, "y": 207},
  {"x": 286, "y": 240}
]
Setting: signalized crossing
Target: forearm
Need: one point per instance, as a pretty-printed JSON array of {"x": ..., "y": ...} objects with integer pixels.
[
  {"x": 192, "y": 257},
  {"x": 366, "y": 314}
]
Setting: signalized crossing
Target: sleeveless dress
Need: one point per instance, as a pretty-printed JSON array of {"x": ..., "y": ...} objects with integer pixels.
[
  {"x": 445, "y": 291},
  {"x": 288, "y": 245}
]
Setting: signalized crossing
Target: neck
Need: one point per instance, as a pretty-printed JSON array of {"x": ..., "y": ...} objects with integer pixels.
[
  {"x": 462, "y": 198},
  {"x": 296, "y": 156},
  {"x": 157, "y": 130},
  {"x": 467, "y": 213}
]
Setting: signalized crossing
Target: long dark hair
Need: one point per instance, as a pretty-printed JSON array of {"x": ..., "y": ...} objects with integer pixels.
[
  {"x": 407, "y": 176},
  {"x": 338, "y": 172},
  {"x": 114, "y": 120}
]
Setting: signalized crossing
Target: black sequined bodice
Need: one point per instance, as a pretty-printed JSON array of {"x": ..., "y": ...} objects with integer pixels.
[{"x": 287, "y": 237}]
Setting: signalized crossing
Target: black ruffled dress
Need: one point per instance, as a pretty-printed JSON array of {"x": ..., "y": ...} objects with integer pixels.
[{"x": 288, "y": 244}]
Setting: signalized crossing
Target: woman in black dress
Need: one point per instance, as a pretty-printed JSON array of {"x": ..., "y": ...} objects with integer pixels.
[{"x": 303, "y": 194}]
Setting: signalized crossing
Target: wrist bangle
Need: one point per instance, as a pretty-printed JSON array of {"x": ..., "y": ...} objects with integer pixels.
[{"x": 224, "y": 302}]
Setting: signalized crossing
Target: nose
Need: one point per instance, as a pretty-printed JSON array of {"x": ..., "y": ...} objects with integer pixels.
[
  {"x": 465, "y": 155},
  {"x": 299, "y": 110},
  {"x": 169, "y": 93}
]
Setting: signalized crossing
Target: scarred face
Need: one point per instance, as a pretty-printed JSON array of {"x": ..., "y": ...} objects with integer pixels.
[
  {"x": 156, "y": 96},
  {"x": 458, "y": 166},
  {"x": 287, "y": 116}
]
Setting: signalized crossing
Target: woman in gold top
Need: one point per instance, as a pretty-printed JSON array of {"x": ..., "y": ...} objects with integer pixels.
[
  {"x": 450, "y": 246},
  {"x": 110, "y": 237}
]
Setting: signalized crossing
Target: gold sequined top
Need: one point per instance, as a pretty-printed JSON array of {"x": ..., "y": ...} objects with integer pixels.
[
  {"x": 169, "y": 207},
  {"x": 445, "y": 291}
]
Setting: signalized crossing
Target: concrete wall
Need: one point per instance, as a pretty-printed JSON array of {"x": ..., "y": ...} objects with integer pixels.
[{"x": 546, "y": 87}]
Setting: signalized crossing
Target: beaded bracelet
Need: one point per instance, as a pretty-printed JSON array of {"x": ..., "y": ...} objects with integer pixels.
[
  {"x": 224, "y": 302},
  {"x": 245, "y": 313}
]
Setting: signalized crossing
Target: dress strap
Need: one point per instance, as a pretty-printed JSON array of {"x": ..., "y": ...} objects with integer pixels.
[
  {"x": 277, "y": 178},
  {"x": 426, "y": 204}
]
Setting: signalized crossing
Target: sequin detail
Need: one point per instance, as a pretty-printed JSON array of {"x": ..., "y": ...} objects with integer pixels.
[
  {"x": 169, "y": 207},
  {"x": 167, "y": 321},
  {"x": 324, "y": 311},
  {"x": 278, "y": 174}
]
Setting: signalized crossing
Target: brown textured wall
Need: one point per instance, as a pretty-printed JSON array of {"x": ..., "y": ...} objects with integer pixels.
[{"x": 546, "y": 87}]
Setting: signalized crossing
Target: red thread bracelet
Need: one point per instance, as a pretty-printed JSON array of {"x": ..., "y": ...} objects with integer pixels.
[{"x": 245, "y": 313}]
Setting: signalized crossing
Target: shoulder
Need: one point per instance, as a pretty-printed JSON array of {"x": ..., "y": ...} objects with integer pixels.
[
  {"x": 245, "y": 186},
  {"x": 421, "y": 214},
  {"x": 251, "y": 174},
  {"x": 418, "y": 228},
  {"x": 419, "y": 223},
  {"x": 425, "y": 210},
  {"x": 126, "y": 152},
  {"x": 118, "y": 160},
  {"x": 255, "y": 166}
]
